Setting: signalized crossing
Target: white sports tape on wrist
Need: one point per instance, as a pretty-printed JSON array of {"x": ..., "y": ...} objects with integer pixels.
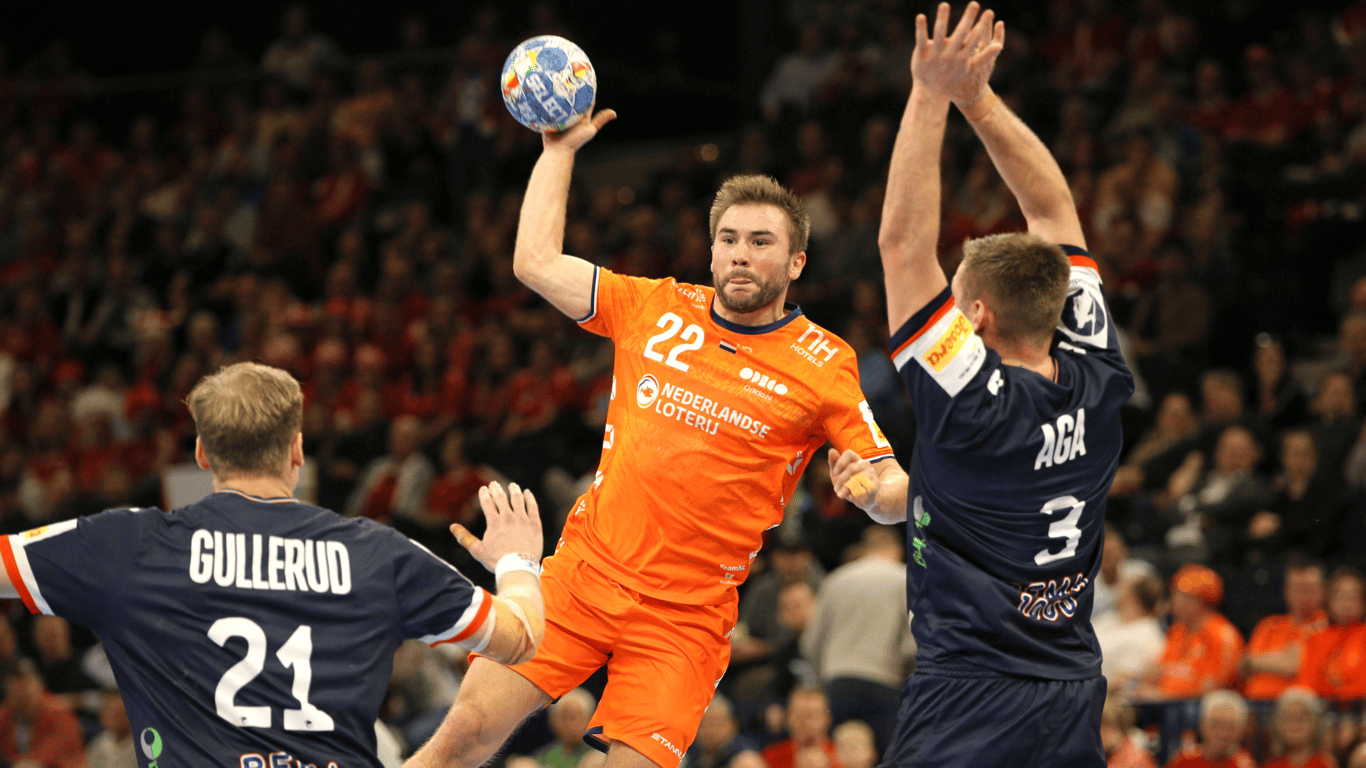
[{"x": 515, "y": 562}]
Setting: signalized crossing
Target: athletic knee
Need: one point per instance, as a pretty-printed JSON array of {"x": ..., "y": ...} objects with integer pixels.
[{"x": 469, "y": 735}]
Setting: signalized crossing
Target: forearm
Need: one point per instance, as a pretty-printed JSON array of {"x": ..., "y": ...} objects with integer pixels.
[
  {"x": 540, "y": 227},
  {"x": 1285, "y": 663},
  {"x": 909, "y": 233},
  {"x": 518, "y": 619},
  {"x": 890, "y": 506},
  {"x": 1027, "y": 167}
]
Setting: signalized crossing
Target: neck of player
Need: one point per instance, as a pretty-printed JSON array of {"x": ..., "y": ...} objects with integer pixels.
[
  {"x": 1036, "y": 360},
  {"x": 260, "y": 486},
  {"x": 763, "y": 316}
]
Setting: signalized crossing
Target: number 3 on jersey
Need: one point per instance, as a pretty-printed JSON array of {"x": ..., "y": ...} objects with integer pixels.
[
  {"x": 1066, "y": 528},
  {"x": 693, "y": 336}
]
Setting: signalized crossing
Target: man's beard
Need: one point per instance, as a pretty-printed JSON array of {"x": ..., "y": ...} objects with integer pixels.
[{"x": 767, "y": 292}]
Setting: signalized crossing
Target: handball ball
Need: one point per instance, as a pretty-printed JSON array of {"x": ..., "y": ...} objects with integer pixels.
[{"x": 548, "y": 84}]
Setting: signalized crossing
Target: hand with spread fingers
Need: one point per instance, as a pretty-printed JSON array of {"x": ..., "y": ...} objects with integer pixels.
[
  {"x": 514, "y": 526},
  {"x": 854, "y": 478},
  {"x": 957, "y": 65}
]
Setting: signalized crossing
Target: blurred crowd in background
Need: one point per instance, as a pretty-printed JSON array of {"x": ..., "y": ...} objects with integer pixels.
[{"x": 351, "y": 219}]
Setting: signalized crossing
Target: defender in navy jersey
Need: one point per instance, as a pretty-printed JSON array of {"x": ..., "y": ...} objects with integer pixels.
[
  {"x": 256, "y": 631},
  {"x": 1016, "y": 380}
]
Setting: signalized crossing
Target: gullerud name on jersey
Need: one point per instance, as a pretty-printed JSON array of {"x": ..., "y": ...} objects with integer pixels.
[
  {"x": 269, "y": 562},
  {"x": 706, "y": 414},
  {"x": 1063, "y": 440}
]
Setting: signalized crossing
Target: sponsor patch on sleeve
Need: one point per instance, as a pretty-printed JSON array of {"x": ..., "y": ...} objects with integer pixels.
[
  {"x": 947, "y": 349},
  {"x": 47, "y": 531}
]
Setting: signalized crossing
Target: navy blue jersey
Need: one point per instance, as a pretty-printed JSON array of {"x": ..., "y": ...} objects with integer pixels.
[
  {"x": 247, "y": 632},
  {"x": 1008, "y": 487}
]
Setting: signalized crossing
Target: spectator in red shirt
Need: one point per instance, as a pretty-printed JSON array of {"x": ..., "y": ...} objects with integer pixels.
[
  {"x": 395, "y": 484},
  {"x": 1296, "y": 737},
  {"x": 343, "y": 189},
  {"x": 808, "y": 725},
  {"x": 37, "y": 729},
  {"x": 1210, "y": 109},
  {"x": 454, "y": 495},
  {"x": 1268, "y": 114},
  {"x": 1223, "y": 719}
]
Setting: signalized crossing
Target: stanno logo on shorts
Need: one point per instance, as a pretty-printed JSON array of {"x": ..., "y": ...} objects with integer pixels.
[
  {"x": 667, "y": 745},
  {"x": 943, "y": 352}
]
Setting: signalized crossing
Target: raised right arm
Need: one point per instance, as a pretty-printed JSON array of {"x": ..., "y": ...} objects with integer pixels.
[{"x": 564, "y": 281}]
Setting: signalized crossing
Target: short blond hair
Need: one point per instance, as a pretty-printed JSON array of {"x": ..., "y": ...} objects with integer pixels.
[
  {"x": 247, "y": 415},
  {"x": 1024, "y": 279},
  {"x": 756, "y": 189}
]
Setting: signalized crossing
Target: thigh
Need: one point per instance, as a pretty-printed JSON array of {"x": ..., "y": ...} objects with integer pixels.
[
  {"x": 984, "y": 722},
  {"x": 584, "y": 611},
  {"x": 662, "y": 675},
  {"x": 1071, "y": 726}
]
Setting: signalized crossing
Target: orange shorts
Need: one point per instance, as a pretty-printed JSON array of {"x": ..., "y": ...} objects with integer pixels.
[{"x": 663, "y": 659}]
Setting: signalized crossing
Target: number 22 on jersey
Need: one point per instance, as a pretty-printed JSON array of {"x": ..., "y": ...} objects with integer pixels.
[{"x": 693, "y": 337}]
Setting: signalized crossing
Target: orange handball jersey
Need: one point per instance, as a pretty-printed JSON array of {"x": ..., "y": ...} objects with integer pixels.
[
  {"x": 1333, "y": 664},
  {"x": 708, "y": 430},
  {"x": 1272, "y": 634},
  {"x": 1196, "y": 662}
]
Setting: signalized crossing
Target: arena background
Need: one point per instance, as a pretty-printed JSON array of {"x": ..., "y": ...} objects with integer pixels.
[{"x": 1260, "y": 247}]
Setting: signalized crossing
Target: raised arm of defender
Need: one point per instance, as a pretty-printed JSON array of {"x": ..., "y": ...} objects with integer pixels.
[
  {"x": 1023, "y": 161},
  {"x": 942, "y": 67},
  {"x": 538, "y": 261}
]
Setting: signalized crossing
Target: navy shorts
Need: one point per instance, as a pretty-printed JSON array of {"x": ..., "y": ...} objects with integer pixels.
[{"x": 955, "y": 722}]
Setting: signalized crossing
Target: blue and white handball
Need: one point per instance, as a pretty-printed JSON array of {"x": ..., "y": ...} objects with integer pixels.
[{"x": 548, "y": 84}]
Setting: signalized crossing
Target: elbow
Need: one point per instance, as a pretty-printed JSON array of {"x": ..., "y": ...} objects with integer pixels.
[{"x": 523, "y": 265}]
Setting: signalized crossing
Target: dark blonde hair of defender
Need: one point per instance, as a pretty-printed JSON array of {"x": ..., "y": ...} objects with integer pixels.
[
  {"x": 1024, "y": 279},
  {"x": 247, "y": 414},
  {"x": 764, "y": 190}
]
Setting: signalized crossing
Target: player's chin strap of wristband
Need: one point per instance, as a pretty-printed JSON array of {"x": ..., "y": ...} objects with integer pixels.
[{"x": 519, "y": 611}]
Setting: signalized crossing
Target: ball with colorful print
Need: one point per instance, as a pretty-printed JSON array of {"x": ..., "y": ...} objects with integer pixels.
[{"x": 548, "y": 83}]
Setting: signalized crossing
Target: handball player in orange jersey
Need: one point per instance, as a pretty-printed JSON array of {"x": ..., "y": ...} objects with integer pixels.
[{"x": 720, "y": 397}]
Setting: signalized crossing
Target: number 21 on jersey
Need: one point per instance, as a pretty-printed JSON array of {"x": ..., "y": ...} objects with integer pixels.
[{"x": 296, "y": 653}]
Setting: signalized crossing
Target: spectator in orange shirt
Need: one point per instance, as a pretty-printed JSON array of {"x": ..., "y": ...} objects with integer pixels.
[
  {"x": 1203, "y": 648},
  {"x": 1272, "y": 659},
  {"x": 808, "y": 725},
  {"x": 1297, "y": 739},
  {"x": 1223, "y": 718},
  {"x": 1334, "y": 664}
]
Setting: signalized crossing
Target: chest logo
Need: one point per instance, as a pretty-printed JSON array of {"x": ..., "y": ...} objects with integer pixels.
[
  {"x": 647, "y": 391},
  {"x": 763, "y": 381}
]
